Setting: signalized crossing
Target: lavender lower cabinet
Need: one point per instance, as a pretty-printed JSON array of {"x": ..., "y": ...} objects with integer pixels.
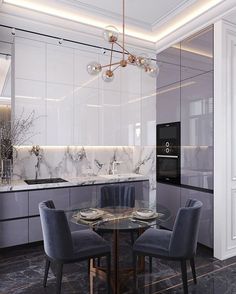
[
  {"x": 13, "y": 225},
  {"x": 35, "y": 229},
  {"x": 59, "y": 196},
  {"x": 13, "y": 205},
  {"x": 13, "y": 232},
  {"x": 83, "y": 194},
  {"x": 205, "y": 236},
  {"x": 169, "y": 196}
]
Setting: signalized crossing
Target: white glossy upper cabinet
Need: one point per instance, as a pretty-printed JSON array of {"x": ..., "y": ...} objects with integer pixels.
[
  {"x": 110, "y": 113},
  {"x": 86, "y": 101},
  {"x": 130, "y": 107},
  {"x": 30, "y": 86},
  {"x": 148, "y": 107},
  {"x": 60, "y": 95}
]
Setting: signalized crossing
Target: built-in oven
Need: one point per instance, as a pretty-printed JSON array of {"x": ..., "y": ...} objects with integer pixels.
[{"x": 168, "y": 153}]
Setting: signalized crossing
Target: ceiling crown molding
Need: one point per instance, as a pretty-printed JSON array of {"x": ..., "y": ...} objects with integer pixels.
[
  {"x": 171, "y": 14},
  {"x": 106, "y": 13}
]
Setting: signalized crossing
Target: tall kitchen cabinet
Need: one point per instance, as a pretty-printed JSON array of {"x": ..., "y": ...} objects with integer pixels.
[
  {"x": 185, "y": 94},
  {"x": 74, "y": 108}
]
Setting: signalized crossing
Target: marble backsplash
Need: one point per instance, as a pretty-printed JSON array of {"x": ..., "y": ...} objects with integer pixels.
[{"x": 75, "y": 161}]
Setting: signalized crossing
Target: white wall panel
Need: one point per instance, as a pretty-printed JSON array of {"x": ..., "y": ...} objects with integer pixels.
[{"x": 224, "y": 141}]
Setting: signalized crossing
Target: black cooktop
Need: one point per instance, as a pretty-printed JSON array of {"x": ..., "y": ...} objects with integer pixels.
[{"x": 45, "y": 181}]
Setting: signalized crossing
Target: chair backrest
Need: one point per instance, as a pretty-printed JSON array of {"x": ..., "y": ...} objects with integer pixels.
[
  {"x": 183, "y": 241},
  {"x": 56, "y": 233},
  {"x": 117, "y": 195}
]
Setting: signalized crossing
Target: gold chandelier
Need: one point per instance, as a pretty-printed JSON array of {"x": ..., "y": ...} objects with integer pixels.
[{"x": 143, "y": 61}]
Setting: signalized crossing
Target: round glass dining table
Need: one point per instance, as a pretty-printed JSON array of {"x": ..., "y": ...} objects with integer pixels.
[{"x": 117, "y": 219}]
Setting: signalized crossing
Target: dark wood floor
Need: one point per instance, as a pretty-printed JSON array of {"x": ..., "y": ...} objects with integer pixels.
[{"x": 21, "y": 271}]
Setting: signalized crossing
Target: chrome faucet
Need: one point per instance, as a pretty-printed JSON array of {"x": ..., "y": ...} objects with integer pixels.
[{"x": 114, "y": 166}]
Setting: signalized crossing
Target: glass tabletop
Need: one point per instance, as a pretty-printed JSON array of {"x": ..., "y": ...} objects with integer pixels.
[{"x": 117, "y": 217}]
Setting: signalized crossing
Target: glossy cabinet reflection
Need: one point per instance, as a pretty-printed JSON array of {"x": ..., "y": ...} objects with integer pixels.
[
  {"x": 197, "y": 110},
  {"x": 168, "y": 85},
  {"x": 75, "y": 108},
  {"x": 169, "y": 64},
  {"x": 197, "y": 54},
  {"x": 197, "y": 132},
  {"x": 185, "y": 94}
]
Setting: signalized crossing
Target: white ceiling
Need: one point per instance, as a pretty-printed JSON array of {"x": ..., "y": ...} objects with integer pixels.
[
  {"x": 142, "y": 13},
  {"x": 147, "y": 20},
  {"x": 231, "y": 17}
]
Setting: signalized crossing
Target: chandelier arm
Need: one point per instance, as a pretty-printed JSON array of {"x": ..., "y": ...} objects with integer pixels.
[
  {"x": 116, "y": 68},
  {"x": 123, "y": 43},
  {"x": 122, "y": 48},
  {"x": 111, "y": 55},
  {"x": 110, "y": 64}
]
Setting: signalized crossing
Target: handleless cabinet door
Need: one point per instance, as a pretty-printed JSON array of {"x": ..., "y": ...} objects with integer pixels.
[
  {"x": 13, "y": 232},
  {"x": 60, "y": 198},
  {"x": 30, "y": 79},
  {"x": 35, "y": 229},
  {"x": 169, "y": 196},
  {"x": 80, "y": 195},
  {"x": 13, "y": 205},
  {"x": 205, "y": 235}
]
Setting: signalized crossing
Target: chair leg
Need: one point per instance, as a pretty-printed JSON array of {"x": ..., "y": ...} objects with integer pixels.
[
  {"x": 132, "y": 237},
  {"x": 47, "y": 265},
  {"x": 192, "y": 264},
  {"x": 108, "y": 273},
  {"x": 150, "y": 264},
  {"x": 59, "y": 277},
  {"x": 184, "y": 276},
  {"x": 135, "y": 272},
  {"x": 89, "y": 266}
]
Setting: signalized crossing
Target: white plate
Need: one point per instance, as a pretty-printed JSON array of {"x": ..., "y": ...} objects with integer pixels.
[
  {"x": 144, "y": 212},
  {"x": 137, "y": 216},
  {"x": 89, "y": 214}
]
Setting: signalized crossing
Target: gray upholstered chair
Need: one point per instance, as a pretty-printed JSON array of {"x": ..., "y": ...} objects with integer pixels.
[
  {"x": 61, "y": 246},
  {"x": 114, "y": 195},
  {"x": 179, "y": 244},
  {"x": 117, "y": 195}
]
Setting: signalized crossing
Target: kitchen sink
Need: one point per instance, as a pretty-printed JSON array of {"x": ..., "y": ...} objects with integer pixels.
[{"x": 45, "y": 181}]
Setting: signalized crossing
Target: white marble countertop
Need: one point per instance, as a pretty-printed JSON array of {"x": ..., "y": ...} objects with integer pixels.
[{"x": 20, "y": 185}]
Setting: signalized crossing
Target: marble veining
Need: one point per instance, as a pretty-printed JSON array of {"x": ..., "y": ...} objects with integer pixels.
[
  {"x": 71, "y": 161},
  {"x": 22, "y": 269},
  {"x": 145, "y": 163},
  {"x": 19, "y": 185},
  {"x": 82, "y": 165}
]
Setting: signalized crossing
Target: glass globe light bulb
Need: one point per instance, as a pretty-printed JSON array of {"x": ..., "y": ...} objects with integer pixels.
[
  {"x": 108, "y": 76},
  {"x": 132, "y": 58},
  {"x": 153, "y": 70},
  {"x": 94, "y": 68},
  {"x": 143, "y": 60},
  {"x": 110, "y": 34}
]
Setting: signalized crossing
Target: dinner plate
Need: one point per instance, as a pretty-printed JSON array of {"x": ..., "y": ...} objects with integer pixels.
[
  {"x": 145, "y": 212},
  {"x": 137, "y": 216},
  {"x": 89, "y": 214}
]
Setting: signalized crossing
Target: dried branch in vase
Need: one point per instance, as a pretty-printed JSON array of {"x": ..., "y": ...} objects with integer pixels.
[{"x": 15, "y": 133}]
